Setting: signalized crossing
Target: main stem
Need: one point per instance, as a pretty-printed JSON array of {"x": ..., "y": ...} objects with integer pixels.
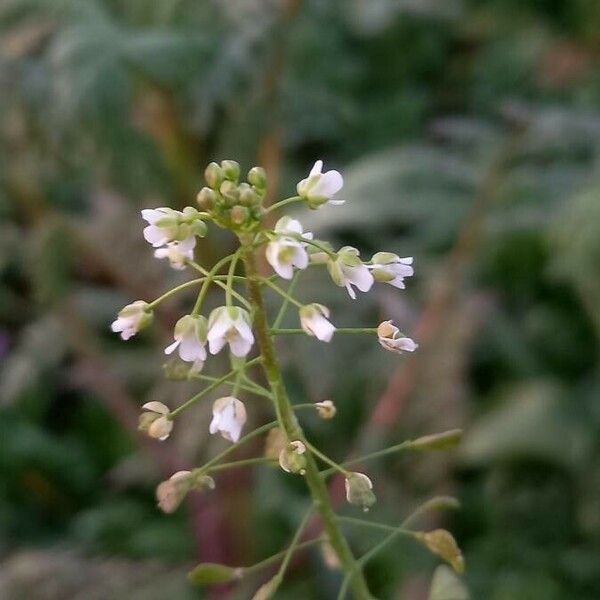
[{"x": 285, "y": 412}]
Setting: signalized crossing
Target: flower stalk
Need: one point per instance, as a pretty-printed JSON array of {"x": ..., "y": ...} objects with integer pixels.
[{"x": 293, "y": 431}]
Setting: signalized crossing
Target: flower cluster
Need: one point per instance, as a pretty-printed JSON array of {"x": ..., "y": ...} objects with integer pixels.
[{"x": 239, "y": 206}]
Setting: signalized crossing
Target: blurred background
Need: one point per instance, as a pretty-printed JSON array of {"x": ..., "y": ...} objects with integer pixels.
[{"x": 468, "y": 133}]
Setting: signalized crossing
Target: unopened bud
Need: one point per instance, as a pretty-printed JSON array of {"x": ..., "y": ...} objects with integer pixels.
[
  {"x": 176, "y": 370},
  {"x": 170, "y": 493},
  {"x": 213, "y": 175},
  {"x": 239, "y": 215},
  {"x": 155, "y": 420},
  {"x": 258, "y": 178},
  {"x": 248, "y": 197},
  {"x": 231, "y": 170},
  {"x": 292, "y": 459},
  {"x": 326, "y": 409},
  {"x": 230, "y": 192},
  {"x": 206, "y": 198},
  {"x": 442, "y": 543},
  {"x": 359, "y": 491}
]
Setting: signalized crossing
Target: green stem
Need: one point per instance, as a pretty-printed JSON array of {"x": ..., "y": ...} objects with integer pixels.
[
  {"x": 260, "y": 460},
  {"x": 293, "y": 431},
  {"x": 213, "y": 461},
  {"x": 276, "y": 557},
  {"x": 353, "y": 461},
  {"x": 211, "y": 387},
  {"x": 281, "y": 292},
  {"x": 175, "y": 290},
  {"x": 217, "y": 280},
  {"x": 229, "y": 291},
  {"x": 294, "y": 543},
  {"x": 275, "y": 331},
  {"x": 286, "y": 302},
  {"x": 327, "y": 460},
  {"x": 282, "y": 203},
  {"x": 253, "y": 389}
]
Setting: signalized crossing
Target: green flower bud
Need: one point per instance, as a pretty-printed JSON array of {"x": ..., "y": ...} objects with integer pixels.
[
  {"x": 206, "y": 198},
  {"x": 248, "y": 197},
  {"x": 359, "y": 491},
  {"x": 214, "y": 175},
  {"x": 239, "y": 215},
  {"x": 231, "y": 170},
  {"x": 257, "y": 176},
  {"x": 230, "y": 193}
]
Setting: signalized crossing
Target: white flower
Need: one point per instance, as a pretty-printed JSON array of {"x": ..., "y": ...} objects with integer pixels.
[
  {"x": 348, "y": 270},
  {"x": 287, "y": 250},
  {"x": 155, "y": 421},
  {"x": 391, "y": 339},
  {"x": 229, "y": 416},
  {"x": 390, "y": 268},
  {"x": 163, "y": 225},
  {"x": 166, "y": 225},
  {"x": 320, "y": 188},
  {"x": 326, "y": 409},
  {"x": 132, "y": 318},
  {"x": 230, "y": 325},
  {"x": 190, "y": 340},
  {"x": 313, "y": 318},
  {"x": 178, "y": 252}
]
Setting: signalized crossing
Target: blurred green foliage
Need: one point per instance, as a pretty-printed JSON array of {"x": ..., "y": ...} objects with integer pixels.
[{"x": 456, "y": 120}]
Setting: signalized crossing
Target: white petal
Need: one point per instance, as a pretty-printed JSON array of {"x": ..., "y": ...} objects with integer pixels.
[
  {"x": 351, "y": 291},
  {"x": 157, "y": 407},
  {"x": 152, "y": 214},
  {"x": 240, "y": 347},
  {"x": 155, "y": 236},
  {"x": 329, "y": 184},
  {"x": 360, "y": 276},
  {"x": 191, "y": 349},
  {"x": 215, "y": 345},
  {"x": 317, "y": 168},
  {"x": 172, "y": 346}
]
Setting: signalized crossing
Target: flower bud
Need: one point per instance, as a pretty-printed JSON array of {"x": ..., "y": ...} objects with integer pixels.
[
  {"x": 292, "y": 459},
  {"x": 326, "y": 409},
  {"x": 257, "y": 177},
  {"x": 248, "y": 197},
  {"x": 213, "y": 574},
  {"x": 359, "y": 491},
  {"x": 231, "y": 170},
  {"x": 206, "y": 198},
  {"x": 230, "y": 193},
  {"x": 214, "y": 175},
  {"x": 132, "y": 318},
  {"x": 155, "y": 420},
  {"x": 239, "y": 215},
  {"x": 170, "y": 493},
  {"x": 442, "y": 543}
]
